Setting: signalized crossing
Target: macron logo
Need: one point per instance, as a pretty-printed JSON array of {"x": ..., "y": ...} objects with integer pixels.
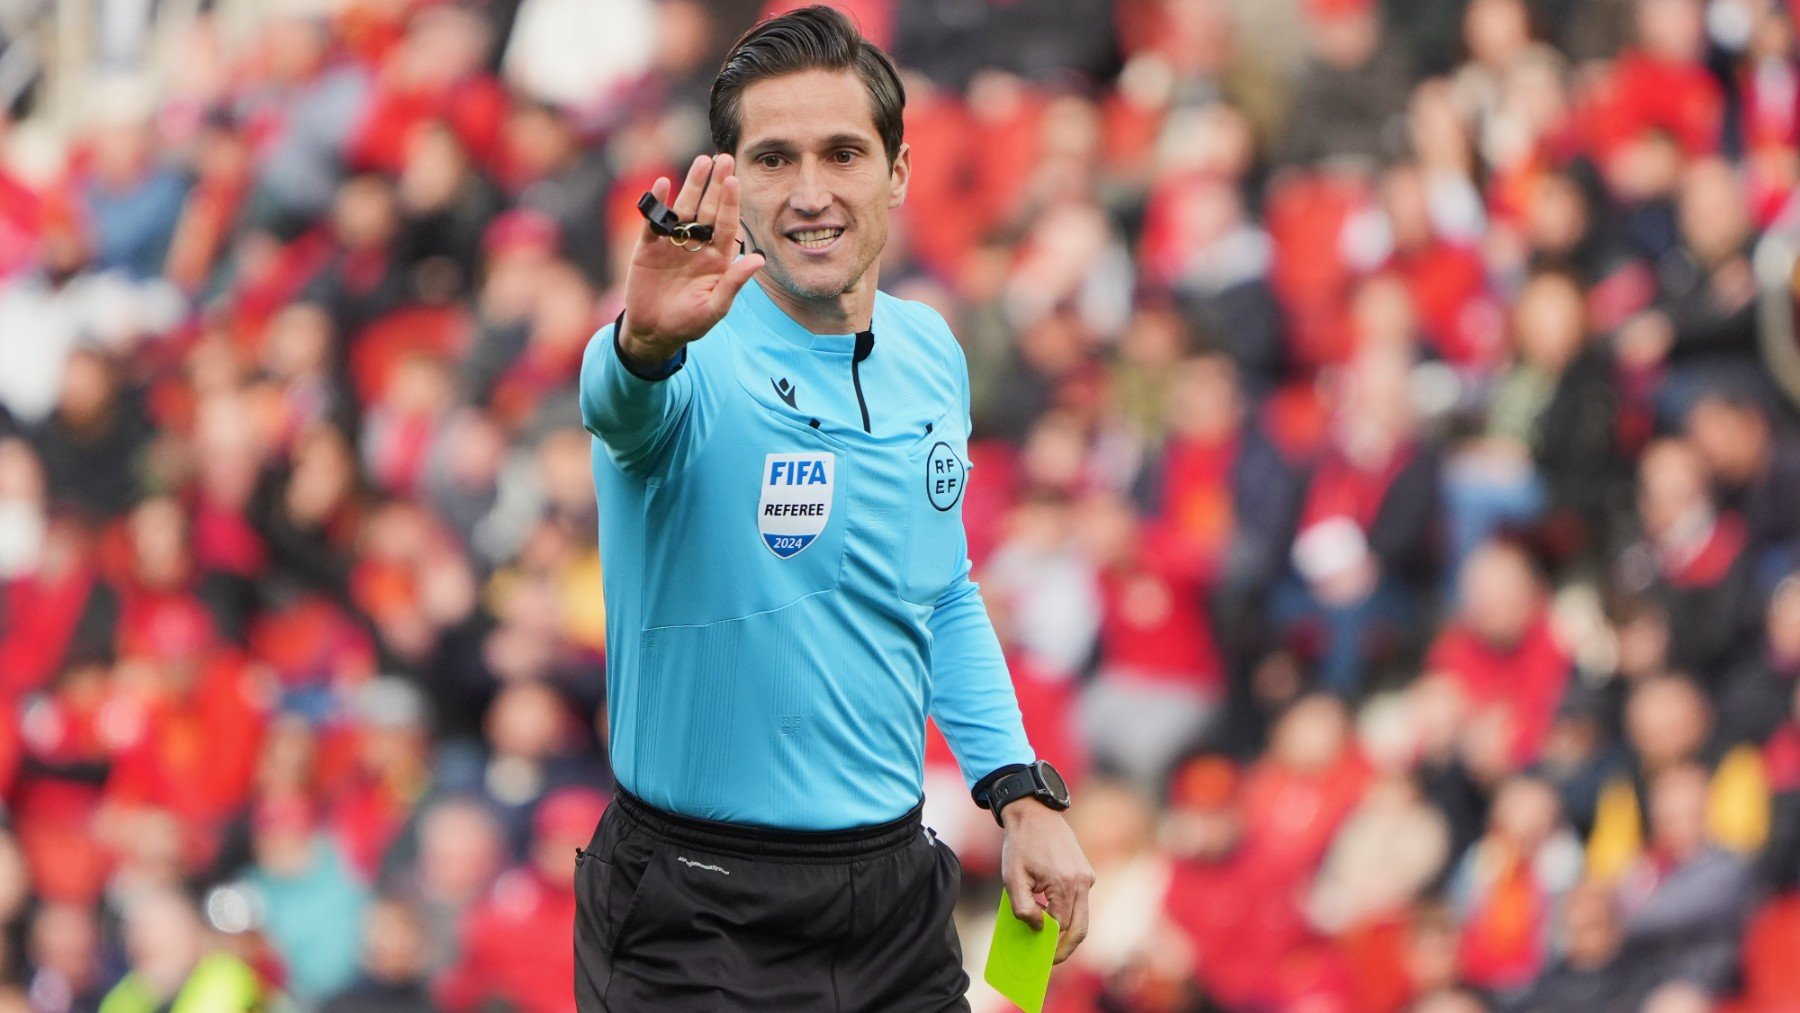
[{"x": 785, "y": 390}]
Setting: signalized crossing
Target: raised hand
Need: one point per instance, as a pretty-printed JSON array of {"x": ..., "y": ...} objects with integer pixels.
[{"x": 674, "y": 295}]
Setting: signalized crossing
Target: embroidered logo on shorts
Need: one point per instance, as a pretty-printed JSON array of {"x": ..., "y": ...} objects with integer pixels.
[
  {"x": 945, "y": 474},
  {"x": 795, "y": 501}
]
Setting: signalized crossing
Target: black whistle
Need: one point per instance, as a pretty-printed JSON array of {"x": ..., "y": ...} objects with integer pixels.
[{"x": 664, "y": 222}]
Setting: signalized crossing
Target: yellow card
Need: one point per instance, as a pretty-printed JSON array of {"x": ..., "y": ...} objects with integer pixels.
[{"x": 1019, "y": 959}]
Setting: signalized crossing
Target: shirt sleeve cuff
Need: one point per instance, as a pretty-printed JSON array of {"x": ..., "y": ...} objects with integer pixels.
[{"x": 662, "y": 372}]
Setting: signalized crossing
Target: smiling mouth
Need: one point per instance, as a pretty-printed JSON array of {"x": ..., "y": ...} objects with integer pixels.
[{"x": 815, "y": 239}]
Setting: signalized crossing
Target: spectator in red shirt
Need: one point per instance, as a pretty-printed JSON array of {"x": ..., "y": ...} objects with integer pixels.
[
  {"x": 55, "y": 612},
  {"x": 1501, "y": 650},
  {"x": 1234, "y": 909},
  {"x": 1661, "y": 83},
  {"x": 391, "y": 771},
  {"x": 436, "y": 72},
  {"x": 1509, "y": 885},
  {"x": 210, "y": 212},
  {"x": 1433, "y": 252},
  {"x": 1222, "y": 500},
  {"x": 1159, "y": 683},
  {"x": 1363, "y": 534},
  {"x": 196, "y": 713},
  {"x": 1769, "y": 114},
  {"x": 1298, "y": 793},
  {"x": 505, "y": 957},
  {"x": 68, "y": 744}
]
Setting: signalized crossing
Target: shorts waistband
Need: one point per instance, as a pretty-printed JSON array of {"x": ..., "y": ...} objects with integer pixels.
[{"x": 769, "y": 842}]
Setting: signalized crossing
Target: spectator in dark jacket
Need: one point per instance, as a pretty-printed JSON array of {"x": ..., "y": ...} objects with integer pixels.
[
  {"x": 566, "y": 181},
  {"x": 1753, "y": 472},
  {"x": 1040, "y": 39},
  {"x": 1354, "y": 89},
  {"x": 1703, "y": 327},
  {"x": 1684, "y": 901},
  {"x": 1758, "y": 693},
  {"x": 90, "y": 446},
  {"x": 394, "y": 965},
  {"x": 1694, "y": 560},
  {"x": 364, "y": 277},
  {"x": 1588, "y": 976}
]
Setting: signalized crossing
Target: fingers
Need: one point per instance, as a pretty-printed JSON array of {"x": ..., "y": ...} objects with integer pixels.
[
  {"x": 725, "y": 222},
  {"x": 659, "y": 190},
  {"x": 1024, "y": 903},
  {"x": 708, "y": 212},
  {"x": 687, "y": 202},
  {"x": 1075, "y": 928}
]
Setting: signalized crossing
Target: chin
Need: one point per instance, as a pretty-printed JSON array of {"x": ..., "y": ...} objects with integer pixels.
[{"x": 816, "y": 283}]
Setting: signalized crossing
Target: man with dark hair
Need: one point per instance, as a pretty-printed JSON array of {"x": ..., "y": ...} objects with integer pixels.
[{"x": 787, "y": 580}]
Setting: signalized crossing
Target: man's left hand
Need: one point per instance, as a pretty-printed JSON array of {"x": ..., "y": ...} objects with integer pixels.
[{"x": 1043, "y": 868}]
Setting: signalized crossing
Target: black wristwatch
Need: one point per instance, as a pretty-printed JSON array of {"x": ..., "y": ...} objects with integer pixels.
[{"x": 1036, "y": 780}]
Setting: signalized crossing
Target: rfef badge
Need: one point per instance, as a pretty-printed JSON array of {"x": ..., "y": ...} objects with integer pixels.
[{"x": 795, "y": 501}]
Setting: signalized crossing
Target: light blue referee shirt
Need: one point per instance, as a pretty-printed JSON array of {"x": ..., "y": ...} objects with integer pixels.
[{"x": 787, "y": 578}]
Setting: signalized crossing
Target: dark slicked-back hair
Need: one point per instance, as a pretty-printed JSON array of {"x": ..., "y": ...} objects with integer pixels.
[{"x": 811, "y": 38}]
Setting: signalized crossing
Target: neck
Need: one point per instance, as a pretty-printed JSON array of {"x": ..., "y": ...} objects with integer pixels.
[{"x": 843, "y": 314}]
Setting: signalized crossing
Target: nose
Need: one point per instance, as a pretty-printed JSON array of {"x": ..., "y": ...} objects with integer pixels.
[{"x": 810, "y": 196}]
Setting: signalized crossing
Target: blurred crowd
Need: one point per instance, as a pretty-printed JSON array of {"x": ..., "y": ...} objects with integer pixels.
[{"x": 1389, "y": 492}]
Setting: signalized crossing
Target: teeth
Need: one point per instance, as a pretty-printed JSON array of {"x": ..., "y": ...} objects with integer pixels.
[{"x": 815, "y": 238}]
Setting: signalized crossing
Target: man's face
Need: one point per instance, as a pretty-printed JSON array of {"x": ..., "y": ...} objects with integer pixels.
[{"x": 815, "y": 181}]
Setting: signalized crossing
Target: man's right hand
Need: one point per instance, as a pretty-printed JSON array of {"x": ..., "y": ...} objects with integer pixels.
[{"x": 674, "y": 295}]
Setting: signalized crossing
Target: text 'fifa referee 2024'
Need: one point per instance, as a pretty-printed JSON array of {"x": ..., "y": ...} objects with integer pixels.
[{"x": 780, "y": 454}]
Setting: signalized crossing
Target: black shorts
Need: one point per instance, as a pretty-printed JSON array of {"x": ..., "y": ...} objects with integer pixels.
[{"x": 675, "y": 913}]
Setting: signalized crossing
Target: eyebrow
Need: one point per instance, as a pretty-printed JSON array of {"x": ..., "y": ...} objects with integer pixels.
[{"x": 781, "y": 145}]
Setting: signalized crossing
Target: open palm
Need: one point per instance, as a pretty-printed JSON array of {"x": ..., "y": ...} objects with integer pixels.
[{"x": 675, "y": 294}]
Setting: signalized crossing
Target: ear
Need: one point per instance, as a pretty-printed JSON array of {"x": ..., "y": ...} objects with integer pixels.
[{"x": 899, "y": 175}]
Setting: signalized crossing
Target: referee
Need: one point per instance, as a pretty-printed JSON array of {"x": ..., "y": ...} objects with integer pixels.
[{"x": 780, "y": 455}]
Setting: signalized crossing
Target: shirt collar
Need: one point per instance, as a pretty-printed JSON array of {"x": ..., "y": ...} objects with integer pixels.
[{"x": 777, "y": 322}]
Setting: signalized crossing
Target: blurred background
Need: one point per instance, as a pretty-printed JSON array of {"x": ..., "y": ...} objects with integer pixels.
[{"x": 1389, "y": 490}]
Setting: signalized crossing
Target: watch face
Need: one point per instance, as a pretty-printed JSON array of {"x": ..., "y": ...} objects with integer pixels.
[{"x": 1054, "y": 782}]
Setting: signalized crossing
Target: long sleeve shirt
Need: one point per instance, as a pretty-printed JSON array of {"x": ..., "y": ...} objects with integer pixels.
[{"x": 786, "y": 574}]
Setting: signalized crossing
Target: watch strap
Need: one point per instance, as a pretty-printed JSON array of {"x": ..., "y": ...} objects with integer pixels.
[
  {"x": 984, "y": 788},
  {"x": 1019, "y": 784}
]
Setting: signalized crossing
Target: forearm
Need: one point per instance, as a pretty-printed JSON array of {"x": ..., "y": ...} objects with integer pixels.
[
  {"x": 631, "y": 407},
  {"x": 972, "y": 694}
]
